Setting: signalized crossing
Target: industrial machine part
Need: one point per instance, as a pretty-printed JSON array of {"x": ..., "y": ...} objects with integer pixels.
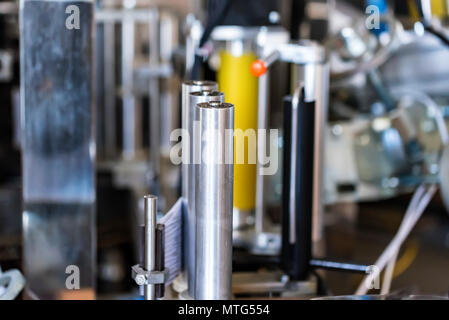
[
  {"x": 137, "y": 108},
  {"x": 187, "y": 180},
  {"x": 187, "y": 124},
  {"x": 159, "y": 264},
  {"x": 194, "y": 99},
  {"x": 132, "y": 110},
  {"x": 138, "y": 91},
  {"x": 151, "y": 275},
  {"x": 213, "y": 204},
  {"x": 150, "y": 211},
  {"x": 309, "y": 68},
  {"x": 297, "y": 187},
  {"x": 58, "y": 150},
  {"x": 240, "y": 87},
  {"x": 143, "y": 74},
  {"x": 236, "y": 48}
]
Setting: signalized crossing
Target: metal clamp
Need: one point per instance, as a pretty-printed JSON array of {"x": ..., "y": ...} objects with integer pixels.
[{"x": 144, "y": 277}]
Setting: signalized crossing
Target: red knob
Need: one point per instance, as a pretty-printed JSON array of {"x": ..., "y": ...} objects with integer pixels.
[{"x": 258, "y": 68}]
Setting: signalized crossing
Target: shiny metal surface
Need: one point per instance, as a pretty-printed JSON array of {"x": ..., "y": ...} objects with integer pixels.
[
  {"x": 194, "y": 99},
  {"x": 58, "y": 150},
  {"x": 154, "y": 91},
  {"x": 187, "y": 126},
  {"x": 297, "y": 96},
  {"x": 132, "y": 120},
  {"x": 214, "y": 201},
  {"x": 110, "y": 134},
  {"x": 187, "y": 123},
  {"x": 150, "y": 211},
  {"x": 262, "y": 123},
  {"x": 309, "y": 67}
]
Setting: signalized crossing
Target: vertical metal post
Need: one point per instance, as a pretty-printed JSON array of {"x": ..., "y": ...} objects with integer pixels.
[
  {"x": 160, "y": 258},
  {"x": 150, "y": 207},
  {"x": 129, "y": 101},
  {"x": 214, "y": 201},
  {"x": 187, "y": 125},
  {"x": 170, "y": 107},
  {"x": 109, "y": 90},
  {"x": 321, "y": 97},
  {"x": 154, "y": 96},
  {"x": 195, "y": 99},
  {"x": 262, "y": 112}
]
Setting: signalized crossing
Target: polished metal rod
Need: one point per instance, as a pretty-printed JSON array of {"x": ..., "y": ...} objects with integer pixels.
[
  {"x": 339, "y": 266},
  {"x": 194, "y": 99},
  {"x": 187, "y": 115},
  {"x": 214, "y": 197},
  {"x": 150, "y": 210},
  {"x": 187, "y": 125}
]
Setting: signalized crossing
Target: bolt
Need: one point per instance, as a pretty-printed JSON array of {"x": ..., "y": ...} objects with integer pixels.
[{"x": 140, "y": 279}]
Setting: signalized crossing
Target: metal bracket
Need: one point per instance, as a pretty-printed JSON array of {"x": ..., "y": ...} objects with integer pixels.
[{"x": 143, "y": 277}]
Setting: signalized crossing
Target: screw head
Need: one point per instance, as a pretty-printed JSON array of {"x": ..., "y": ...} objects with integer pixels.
[{"x": 140, "y": 279}]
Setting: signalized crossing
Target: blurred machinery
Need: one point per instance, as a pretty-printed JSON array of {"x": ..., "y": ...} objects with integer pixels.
[{"x": 204, "y": 145}]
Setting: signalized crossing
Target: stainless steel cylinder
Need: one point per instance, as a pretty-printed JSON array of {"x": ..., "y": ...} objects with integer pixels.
[
  {"x": 214, "y": 200},
  {"x": 194, "y": 99},
  {"x": 187, "y": 126},
  {"x": 132, "y": 124},
  {"x": 150, "y": 209},
  {"x": 187, "y": 123}
]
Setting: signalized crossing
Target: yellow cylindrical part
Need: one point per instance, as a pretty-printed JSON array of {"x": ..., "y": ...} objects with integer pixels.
[
  {"x": 439, "y": 8},
  {"x": 413, "y": 9},
  {"x": 240, "y": 89}
]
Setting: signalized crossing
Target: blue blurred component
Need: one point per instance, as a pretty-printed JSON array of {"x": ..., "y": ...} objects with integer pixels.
[
  {"x": 381, "y": 4},
  {"x": 383, "y": 9}
]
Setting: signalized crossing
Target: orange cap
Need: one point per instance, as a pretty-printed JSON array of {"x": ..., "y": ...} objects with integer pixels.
[{"x": 258, "y": 68}]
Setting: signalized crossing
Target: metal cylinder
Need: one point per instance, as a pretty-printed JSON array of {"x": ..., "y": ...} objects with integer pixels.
[
  {"x": 187, "y": 126},
  {"x": 214, "y": 200},
  {"x": 194, "y": 99},
  {"x": 187, "y": 114},
  {"x": 150, "y": 210},
  {"x": 131, "y": 120}
]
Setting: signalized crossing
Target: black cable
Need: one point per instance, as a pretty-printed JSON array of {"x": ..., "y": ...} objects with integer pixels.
[
  {"x": 439, "y": 34},
  {"x": 213, "y": 21}
]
